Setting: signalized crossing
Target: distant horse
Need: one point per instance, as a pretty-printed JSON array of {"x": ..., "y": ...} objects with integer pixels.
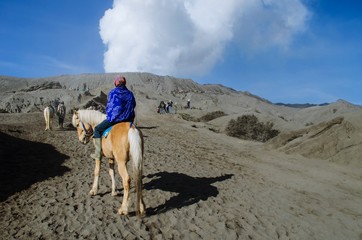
[
  {"x": 49, "y": 112},
  {"x": 123, "y": 141}
]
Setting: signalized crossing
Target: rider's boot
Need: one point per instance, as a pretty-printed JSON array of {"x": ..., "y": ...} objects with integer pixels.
[{"x": 97, "y": 155}]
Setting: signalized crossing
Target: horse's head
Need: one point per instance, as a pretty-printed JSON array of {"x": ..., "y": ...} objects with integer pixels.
[{"x": 84, "y": 130}]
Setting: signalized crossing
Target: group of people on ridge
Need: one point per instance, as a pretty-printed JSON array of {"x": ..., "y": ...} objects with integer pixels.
[{"x": 165, "y": 107}]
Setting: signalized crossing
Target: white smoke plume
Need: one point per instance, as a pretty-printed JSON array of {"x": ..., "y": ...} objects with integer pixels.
[{"x": 188, "y": 37}]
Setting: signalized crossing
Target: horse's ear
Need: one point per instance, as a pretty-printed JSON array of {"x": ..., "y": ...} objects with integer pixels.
[{"x": 75, "y": 110}]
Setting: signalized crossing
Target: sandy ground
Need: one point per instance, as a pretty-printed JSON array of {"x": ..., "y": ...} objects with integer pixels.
[{"x": 197, "y": 185}]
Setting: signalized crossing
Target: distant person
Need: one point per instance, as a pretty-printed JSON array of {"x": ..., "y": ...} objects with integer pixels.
[
  {"x": 170, "y": 106},
  {"x": 166, "y": 107},
  {"x": 120, "y": 107},
  {"x": 188, "y": 103},
  {"x": 161, "y": 107},
  {"x": 79, "y": 98},
  {"x": 61, "y": 110},
  {"x": 55, "y": 103}
]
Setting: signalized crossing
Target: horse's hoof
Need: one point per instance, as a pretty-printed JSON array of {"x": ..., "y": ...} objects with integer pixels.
[
  {"x": 142, "y": 212},
  {"x": 92, "y": 193},
  {"x": 122, "y": 212}
]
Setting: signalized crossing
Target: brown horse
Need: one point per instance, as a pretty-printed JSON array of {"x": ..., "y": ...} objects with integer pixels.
[{"x": 123, "y": 142}]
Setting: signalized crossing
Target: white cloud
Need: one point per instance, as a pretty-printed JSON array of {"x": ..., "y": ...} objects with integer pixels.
[{"x": 189, "y": 36}]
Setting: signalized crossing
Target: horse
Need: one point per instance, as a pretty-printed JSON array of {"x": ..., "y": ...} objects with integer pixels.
[
  {"x": 123, "y": 142},
  {"x": 49, "y": 112}
]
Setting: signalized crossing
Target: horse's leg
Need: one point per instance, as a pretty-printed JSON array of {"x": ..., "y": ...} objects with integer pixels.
[
  {"x": 46, "y": 119},
  {"x": 94, "y": 189},
  {"x": 50, "y": 122},
  {"x": 111, "y": 173},
  {"x": 122, "y": 168},
  {"x": 46, "y": 124}
]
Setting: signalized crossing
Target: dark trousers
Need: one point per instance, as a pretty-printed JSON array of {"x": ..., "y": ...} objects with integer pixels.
[
  {"x": 61, "y": 121},
  {"x": 100, "y": 128}
]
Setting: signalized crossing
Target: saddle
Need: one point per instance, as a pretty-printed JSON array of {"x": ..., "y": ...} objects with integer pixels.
[{"x": 106, "y": 132}]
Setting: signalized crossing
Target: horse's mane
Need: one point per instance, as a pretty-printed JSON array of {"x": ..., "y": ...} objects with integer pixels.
[{"x": 91, "y": 117}]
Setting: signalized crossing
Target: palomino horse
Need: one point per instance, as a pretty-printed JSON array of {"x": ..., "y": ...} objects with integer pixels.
[
  {"x": 123, "y": 141},
  {"x": 49, "y": 115}
]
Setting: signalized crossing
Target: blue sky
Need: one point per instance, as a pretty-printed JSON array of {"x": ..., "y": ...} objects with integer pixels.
[{"x": 291, "y": 51}]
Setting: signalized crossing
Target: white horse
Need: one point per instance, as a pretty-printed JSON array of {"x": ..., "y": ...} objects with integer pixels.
[
  {"x": 124, "y": 142},
  {"x": 49, "y": 115}
]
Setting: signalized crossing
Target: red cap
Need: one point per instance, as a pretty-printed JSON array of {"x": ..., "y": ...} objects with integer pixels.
[{"x": 119, "y": 81}]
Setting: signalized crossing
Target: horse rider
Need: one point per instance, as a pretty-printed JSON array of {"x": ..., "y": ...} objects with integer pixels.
[
  {"x": 120, "y": 108},
  {"x": 61, "y": 114}
]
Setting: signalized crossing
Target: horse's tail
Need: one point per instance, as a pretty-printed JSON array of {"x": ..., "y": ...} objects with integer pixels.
[{"x": 135, "y": 140}]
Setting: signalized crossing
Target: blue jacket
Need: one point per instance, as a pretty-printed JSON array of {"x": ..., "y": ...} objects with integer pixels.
[{"x": 120, "y": 106}]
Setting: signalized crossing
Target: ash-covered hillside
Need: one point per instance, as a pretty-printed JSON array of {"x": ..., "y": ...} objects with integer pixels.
[
  {"x": 331, "y": 132},
  {"x": 28, "y": 95},
  {"x": 32, "y": 95}
]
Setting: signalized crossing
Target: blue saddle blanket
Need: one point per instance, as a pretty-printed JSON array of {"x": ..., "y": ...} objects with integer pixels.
[{"x": 106, "y": 132}]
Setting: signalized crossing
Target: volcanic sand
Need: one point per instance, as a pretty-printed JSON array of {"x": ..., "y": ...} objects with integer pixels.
[{"x": 198, "y": 184}]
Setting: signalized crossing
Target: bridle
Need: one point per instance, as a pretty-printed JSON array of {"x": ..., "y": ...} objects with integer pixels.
[{"x": 88, "y": 134}]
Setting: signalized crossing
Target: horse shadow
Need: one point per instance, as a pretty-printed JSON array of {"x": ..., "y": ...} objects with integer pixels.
[
  {"x": 190, "y": 189},
  {"x": 151, "y": 127},
  {"x": 147, "y": 128},
  {"x": 24, "y": 163}
]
